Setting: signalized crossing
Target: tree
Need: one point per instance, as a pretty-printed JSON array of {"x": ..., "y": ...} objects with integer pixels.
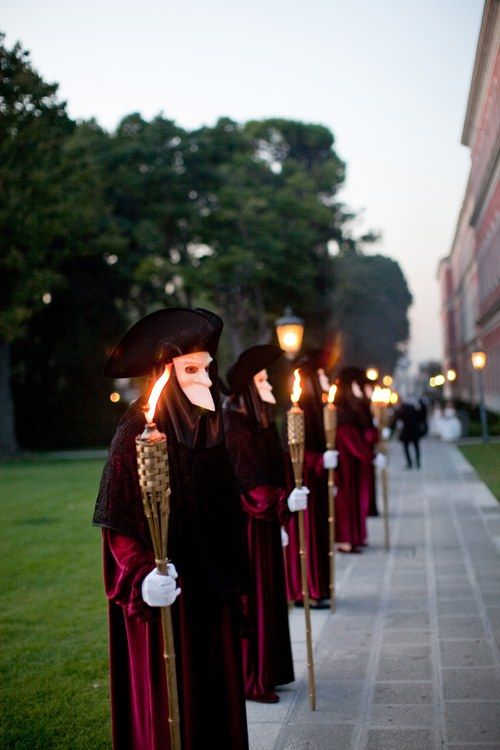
[
  {"x": 265, "y": 194},
  {"x": 371, "y": 309},
  {"x": 33, "y": 126},
  {"x": 62, "y": 399}
]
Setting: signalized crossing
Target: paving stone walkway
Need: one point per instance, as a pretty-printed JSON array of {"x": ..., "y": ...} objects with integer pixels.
[{"x": 410, "y": 660}]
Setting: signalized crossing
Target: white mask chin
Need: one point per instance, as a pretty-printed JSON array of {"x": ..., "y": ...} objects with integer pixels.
[
  {"x": 323, "y": 380},
  {"x": 356, "y": 389},
  {"x": 192, "y": 373},
  {"x": 264, "y": 387}
]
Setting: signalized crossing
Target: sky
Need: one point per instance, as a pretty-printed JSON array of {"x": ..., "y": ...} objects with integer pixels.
[{"x": 390, "y": 78}]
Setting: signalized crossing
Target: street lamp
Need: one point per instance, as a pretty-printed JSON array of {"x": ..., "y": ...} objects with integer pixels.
[
  {"x": 290, "y": 330},
  {"x": 478, "y": 363},
  {"x": 451, "y": 375},
  {"x": 372, "y": 373},
  {"x": 387, "y": 380}
]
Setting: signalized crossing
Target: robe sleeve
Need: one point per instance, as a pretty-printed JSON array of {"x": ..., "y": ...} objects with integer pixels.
[
  {"x": 261, "y": 502},
  {"x": 126, "y": 563}
]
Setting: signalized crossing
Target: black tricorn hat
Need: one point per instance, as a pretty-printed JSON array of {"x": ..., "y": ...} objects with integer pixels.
[
  {"x": 159, "y": 337},
  {"x": 249, "y": 363}
]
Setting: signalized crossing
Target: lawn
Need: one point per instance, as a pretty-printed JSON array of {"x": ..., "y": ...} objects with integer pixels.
[
  {"x": 486, "y": 461},
  {"x": 53, "y": 619}
]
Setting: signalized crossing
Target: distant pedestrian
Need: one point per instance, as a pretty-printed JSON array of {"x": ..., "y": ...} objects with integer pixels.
[{"x": 412, "y": 428}]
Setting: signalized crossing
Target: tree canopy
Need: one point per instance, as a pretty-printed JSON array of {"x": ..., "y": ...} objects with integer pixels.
[{"x": 98, "y": 228}]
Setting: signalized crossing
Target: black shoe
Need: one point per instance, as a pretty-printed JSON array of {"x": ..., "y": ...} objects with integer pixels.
[{"x": 320, "y": 604}]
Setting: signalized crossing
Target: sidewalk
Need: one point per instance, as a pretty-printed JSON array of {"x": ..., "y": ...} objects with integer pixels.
[{"x": 410, "y": 660}]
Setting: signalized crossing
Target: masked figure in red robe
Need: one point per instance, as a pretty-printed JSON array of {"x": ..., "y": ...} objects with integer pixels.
[
  {"x": 355, "y": 444},
  {"x": 363, "y": 390},
  {"x": 254, "y": 445},
  {"x": 314, "y": 384},
  {"x": 209, "y": 570}
]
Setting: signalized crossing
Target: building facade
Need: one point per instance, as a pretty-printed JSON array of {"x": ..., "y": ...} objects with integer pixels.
[{"x": 469, "y": 276}]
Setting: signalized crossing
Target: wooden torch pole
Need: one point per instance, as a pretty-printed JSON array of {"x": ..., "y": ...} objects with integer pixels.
[
  {"x": 295, "y": 424},
  {"x": 153, "y": 469}
]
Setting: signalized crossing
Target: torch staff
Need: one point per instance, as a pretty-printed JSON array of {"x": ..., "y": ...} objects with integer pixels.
[
  {"x": 330, "y": 425},
  {"x": 296, "y": 443},
  {"x": 154, "y": 481}
]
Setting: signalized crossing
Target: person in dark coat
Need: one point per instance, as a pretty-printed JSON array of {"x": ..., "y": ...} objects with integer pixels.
[
  {"x": 413, "y": 421},
  {"x": 255, "y": 449},
  {"x": 209, "y": 570}
]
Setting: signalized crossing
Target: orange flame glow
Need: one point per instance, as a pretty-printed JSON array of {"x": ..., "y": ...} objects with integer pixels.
[
  {"x": 297, "y": 389},
  {"x": 155, "y": 393},
  {"x": 381, "y": 395},
  {"x": 332, "y": 392}
]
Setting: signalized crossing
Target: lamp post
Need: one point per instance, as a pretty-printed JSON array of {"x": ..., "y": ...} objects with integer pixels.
[
  {"x": 451, "y": 376},
  {"x": 478, "y": 363},
  {"x": 290, "y": 330}
]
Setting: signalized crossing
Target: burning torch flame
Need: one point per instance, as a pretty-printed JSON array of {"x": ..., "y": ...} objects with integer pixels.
[
  {"x": 332, "y": 391},
  {"x": 155, "y": 393},
  {"x": 381, "y": 395},
  {"x": 296, "y": 390}
]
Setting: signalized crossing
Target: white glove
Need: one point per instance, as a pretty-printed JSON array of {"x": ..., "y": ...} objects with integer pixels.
[
  {"x": 284, "y": 537},
  {"x": 158, "y": 590},
  {"x": 386, "y": 433},
  {"x": 330, "y": 459},
  {"x": 380, "y": 461},
  {"x": 297, "y": 500}
]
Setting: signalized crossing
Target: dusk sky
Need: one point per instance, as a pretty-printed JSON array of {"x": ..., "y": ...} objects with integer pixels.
[{"x": 389, "y": 78}]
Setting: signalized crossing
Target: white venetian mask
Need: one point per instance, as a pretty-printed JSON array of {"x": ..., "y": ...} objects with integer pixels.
[
  {"x": 356, "y": 389},
  {"x": 192, "y": 373},
  {"x": 323, "y": 380},
  {"x": 264, "y": 387}
]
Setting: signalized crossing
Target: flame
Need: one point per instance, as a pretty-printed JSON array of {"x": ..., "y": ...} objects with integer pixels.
[
  {"x": 381, "y": 395},
  {"x": 155, "y": 393},
  {"x": 332, "y": 393},
  {"x": 296, "y": 390}
]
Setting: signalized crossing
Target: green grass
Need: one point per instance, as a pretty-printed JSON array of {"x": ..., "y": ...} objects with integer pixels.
[
  {"x": 53, "y": 618},
  {"x": 486, "y": 461}
]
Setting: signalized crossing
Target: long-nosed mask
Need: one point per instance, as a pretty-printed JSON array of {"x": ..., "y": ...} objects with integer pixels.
[
  {"x": 192, "y": 374},
  {"x": 264, "y": 387}
]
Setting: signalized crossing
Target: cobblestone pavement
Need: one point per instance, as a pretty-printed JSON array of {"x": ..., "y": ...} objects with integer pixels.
[{"x": 411, "y": 657}]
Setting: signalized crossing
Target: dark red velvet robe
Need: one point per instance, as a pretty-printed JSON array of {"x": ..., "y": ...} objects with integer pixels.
[
  {"x": 267, "y": 652},
  {"x": 255, "y": 450},
  {"x": 208, "y": 547},
  {"x": 208, "y": 656},
  {"x": 316, "y": 534},
  {"x": 353, "y": 485}
]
